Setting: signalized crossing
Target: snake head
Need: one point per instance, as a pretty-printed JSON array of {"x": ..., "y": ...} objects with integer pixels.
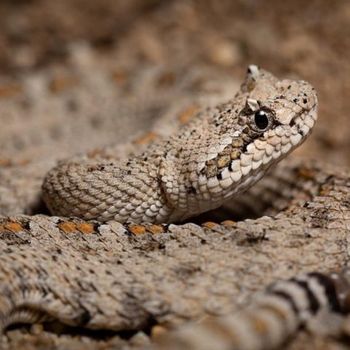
[
  {"x": 277, "y": 116},
  {"x": 231, "y": 146}
]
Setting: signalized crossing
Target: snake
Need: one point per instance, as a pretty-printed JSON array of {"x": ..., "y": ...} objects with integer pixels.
[{"x": 220, "y": 153}]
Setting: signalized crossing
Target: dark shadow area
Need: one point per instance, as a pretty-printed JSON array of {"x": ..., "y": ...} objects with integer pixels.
[
  {"x": 59, "y": 328},
  {"x": 38, "y": 208}
]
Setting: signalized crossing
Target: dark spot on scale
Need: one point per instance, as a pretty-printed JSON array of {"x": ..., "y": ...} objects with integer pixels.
[
  {"x": 230, "y": 166},
  {"x": 84, "y": 317},
  {"x": 295, "y": 100},
  {"x": 301, "y": 132},
  {"x": 145, "y": 159},
  {"x": 129, "y": 172},
  {"x": 244, "y": 147},
  {"x": 191, "y": 190},
  {"x": 289, "y": 86},
  {"x": 219, "y": 176},
  {"x": 98, "y": 167},
  {"x": 304, "y": 100}
]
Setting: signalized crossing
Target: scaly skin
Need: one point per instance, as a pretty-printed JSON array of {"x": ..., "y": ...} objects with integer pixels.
[
  {"x": 274, "y": 315},
  {"x": 108, "y": 276},
  {"x": 222, "y": 152}
]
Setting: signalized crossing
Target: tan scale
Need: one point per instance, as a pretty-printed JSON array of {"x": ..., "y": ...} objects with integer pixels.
[{"x": 221, "y": 152}]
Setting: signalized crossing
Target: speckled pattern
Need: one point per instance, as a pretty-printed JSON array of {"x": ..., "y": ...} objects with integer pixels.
[
  {"x": 108, "y": 285},
  {"x": 276, "y": 314},
  {"x": 221, "y": 152}
]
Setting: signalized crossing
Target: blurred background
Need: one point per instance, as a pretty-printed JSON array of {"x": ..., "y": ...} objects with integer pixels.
[{"x": 296, "y": 38}]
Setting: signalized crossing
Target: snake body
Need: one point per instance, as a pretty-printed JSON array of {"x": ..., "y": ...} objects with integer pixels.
[
  {"x": 273, "y": 317},
  {"x": 223, "y": 151},
  {"x": 108, "y": 276}
]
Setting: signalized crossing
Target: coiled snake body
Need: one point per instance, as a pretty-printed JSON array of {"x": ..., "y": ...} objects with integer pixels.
[{"x": 91, "y": 274}]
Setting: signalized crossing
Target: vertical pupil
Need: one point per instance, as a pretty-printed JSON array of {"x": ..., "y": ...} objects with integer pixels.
[{"x": 261, "y": 120}]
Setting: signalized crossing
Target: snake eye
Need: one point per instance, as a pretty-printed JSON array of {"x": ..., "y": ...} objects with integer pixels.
[{"x": 261, "y": 119}]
